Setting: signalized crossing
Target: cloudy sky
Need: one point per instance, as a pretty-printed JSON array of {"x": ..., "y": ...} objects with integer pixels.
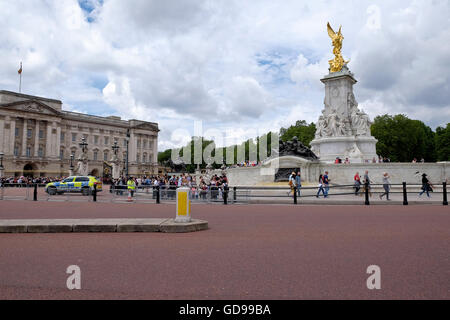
[{"x": 235, "y": 67}]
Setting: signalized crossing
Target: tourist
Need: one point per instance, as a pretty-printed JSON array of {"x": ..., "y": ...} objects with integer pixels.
[
  {"x": 422, "y": 160},
  {"x": 131, "y": 186},
  {"x": 326, "y": 182},
  {"x": 426, "y": 186},
  {"x": 347, "y": 161},
  {"x": 357, "y": 182},
  {"x": 291, "y": 183},
  {"x": 367, "y": 182},
  {"x": 298, "y": 183},
  {"x": 414, "y": 160},
  {"x": 386, "y": 186},
  {"x": 374, "y": 160},
  {"x": 320, "y": 187}
]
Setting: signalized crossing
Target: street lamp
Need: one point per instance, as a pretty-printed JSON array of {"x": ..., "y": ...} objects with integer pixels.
[
  {"x": 115, "y": 148},
  {"x": 71, "y": 161},
  {"x": 83, "y": 145},
  {"x": 1, "y": 160},
  {"x": 128, "y": 141}
]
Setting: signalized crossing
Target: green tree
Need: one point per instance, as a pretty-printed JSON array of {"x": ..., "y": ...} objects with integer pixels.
[
  {"x": 402, "y": 139},
  {"x": 442, "y": 139},
  {"x": 303, "y": 131}
]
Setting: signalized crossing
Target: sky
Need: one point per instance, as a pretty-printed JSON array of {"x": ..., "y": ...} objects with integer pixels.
[{"x": 226, "y": 68}]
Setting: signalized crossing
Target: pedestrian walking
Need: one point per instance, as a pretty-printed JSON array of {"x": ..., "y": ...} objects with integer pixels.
[
  {"x": 426, "y": 186},
  {"x": 291, "y": 184},
  {"x": 320, "y": 187},
  {"x": 298, "y": 182},
  {"x": 386, "y": 186},
  {"x": 357, "y": 182},
  {"x": 326, "y": 182}
]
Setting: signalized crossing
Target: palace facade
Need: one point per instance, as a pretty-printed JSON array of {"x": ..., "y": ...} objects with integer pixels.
[{"x": 37, "y": 138}]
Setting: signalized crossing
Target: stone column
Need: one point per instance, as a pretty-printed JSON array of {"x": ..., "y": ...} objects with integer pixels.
[
  {"x": 12, "y": 136},
  {"x": 36, "y": 139},
  {"x": 2, "y": 136},
  {"x": 132, "y": 148},
  {"x": 58, "y": 140},
  {"x": 54, "y": 140},
  {"x": 24, "y": 138},
  {"x": 48, "y": 142}
]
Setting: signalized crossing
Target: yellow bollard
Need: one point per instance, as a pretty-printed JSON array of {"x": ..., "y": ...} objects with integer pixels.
[{"x": 183, "y": 205}]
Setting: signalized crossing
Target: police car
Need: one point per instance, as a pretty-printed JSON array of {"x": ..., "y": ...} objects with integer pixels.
[{"x": 82, "y": 184}]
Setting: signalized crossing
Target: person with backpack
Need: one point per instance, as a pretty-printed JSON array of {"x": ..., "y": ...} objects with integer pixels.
[{"x": 357, "y": 182}]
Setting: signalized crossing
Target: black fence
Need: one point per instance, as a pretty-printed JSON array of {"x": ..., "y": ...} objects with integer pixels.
[{"x": 340, "y": 194}]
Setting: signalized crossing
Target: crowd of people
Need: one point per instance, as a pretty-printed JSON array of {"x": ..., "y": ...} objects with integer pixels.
[{"x": 199, "y": 187}]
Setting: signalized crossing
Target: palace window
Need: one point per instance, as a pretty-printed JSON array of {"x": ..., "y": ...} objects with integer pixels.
[
  {"x": 40, "y": 152},
  {"x": 74, "y": 137},
  {"x": 41, "y": 134},
  {"x": 63, "y": 136},
  {"x": 17, "y": 132},
  {"x": 144, "y": 158},
  {"x": 29, "y": 133},
  {"x": 61, "y": 154},
  {"x": 16, "y": 151},
  {"x": 106, "y": 140},
  {"x": 145, "y": 144},
  {"x": 95, "y": 139},
  {"x": 105, "y": 156},
  {"x": 95, "y": 155},
  {"x": 28, "y": 152},
  {"x": 138, "y": 158}
]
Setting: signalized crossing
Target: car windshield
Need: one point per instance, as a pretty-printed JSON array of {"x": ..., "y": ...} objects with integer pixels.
[{"x": 68, "y": 179}]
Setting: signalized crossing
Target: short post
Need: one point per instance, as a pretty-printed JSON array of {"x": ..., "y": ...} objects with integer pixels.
[
  {"x": 158, "y": 194},
  {"x": 35, "y": 192},
  {"x": 366, "y": 191},
  {"x": 183, "y": 205},
  {"x": 225, "y": 195},
  {"x": 234, "y": 194},
  {"x": 405, "y": 195},
  {"x": 94, "y": 193},
  {"x": 444, "y": 193},
  {"x": 295, "y": 195}
]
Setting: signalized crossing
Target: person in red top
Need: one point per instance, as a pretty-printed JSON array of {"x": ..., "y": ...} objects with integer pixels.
[{"x": 357, "y": 180}]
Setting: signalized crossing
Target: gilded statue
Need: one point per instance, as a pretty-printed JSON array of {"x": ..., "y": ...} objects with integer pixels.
[{"x": 336, "y": 37}]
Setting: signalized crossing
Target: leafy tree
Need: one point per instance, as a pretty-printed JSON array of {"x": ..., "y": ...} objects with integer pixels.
[
  {"x": 303, "y": 131},
  {"x": 402, "y": 139},
  {"x": 442, "y": 139}
]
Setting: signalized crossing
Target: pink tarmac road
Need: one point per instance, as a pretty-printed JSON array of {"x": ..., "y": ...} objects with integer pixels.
[{"x": 249, "y": 252}]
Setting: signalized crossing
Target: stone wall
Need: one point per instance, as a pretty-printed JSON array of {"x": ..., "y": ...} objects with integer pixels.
[{"x": 343, "y": 174}]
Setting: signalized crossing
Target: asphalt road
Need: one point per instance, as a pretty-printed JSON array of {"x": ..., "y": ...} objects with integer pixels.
[{"x": 249, "y": 252}]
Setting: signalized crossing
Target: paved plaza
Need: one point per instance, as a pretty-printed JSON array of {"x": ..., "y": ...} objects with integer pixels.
[{"x": 248, "y": 252}]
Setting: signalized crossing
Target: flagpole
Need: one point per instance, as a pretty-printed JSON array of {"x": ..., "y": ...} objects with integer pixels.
[{"x": 20, "y": 78}]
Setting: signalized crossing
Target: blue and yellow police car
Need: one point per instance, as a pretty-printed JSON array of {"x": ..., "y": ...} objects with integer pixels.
[{"x": 82, "y": 184}]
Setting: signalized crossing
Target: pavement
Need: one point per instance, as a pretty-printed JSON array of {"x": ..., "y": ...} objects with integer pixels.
[
  {"x": 99, "y": 225},
  {"x": 248, "y": 252}
]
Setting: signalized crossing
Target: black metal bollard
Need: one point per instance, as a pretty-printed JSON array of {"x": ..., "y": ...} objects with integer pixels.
[
  {"x": 158, "y": 195},
  {"x": 234, "y": 194},
  {"x": 35, "y": 192},
  {"x": 94, "y": 193},
  {"x": 366, "y": 191},
  {"x": 295, "y": 195},
  {"x": 225, "y": 195},
  {"x": 444, "y": 193},
  {"x": 405, "y": 195}
]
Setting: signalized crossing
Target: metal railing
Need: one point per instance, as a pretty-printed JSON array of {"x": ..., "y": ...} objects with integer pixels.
[{"x": 229, "y": 195}]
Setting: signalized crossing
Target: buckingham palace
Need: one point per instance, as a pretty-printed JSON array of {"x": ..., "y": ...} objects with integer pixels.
[{"x": 38, "y": 138}]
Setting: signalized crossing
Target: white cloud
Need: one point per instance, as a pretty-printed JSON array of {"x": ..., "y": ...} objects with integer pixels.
[{"x": 233, "y": 64}]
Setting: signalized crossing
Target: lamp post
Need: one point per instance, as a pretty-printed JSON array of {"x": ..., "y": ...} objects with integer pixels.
[
  {"x": 83, "y": 145},
  {"x": 128, "y": 141},
  {"x": 71, "y": 165},
  {"x": 1, "y": 164}
]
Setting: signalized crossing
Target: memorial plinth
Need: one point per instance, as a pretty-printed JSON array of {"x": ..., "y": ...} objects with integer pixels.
[{"x": 343, "y": 130}]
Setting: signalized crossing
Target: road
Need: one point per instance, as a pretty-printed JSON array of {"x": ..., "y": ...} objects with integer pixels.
[{"x": 249, "y": 252}]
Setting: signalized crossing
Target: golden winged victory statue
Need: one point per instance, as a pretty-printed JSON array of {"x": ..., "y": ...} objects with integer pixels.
[{"x": 336, "y": 37}]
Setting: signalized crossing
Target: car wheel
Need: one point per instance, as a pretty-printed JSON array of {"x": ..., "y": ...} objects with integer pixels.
[
  {"x": 85, "y": 191},
  {"x": 52, "y": 191}
]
